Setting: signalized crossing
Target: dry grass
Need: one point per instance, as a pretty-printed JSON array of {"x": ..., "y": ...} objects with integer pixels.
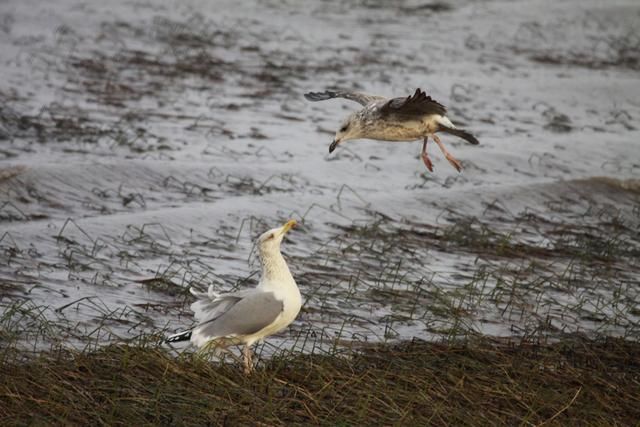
[{"x": 483, "y": 382}]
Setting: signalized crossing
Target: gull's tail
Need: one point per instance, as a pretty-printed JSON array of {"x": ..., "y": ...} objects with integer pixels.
[
  {"x": 460, "y": 133},
  {"x": 182, "y": 336}
]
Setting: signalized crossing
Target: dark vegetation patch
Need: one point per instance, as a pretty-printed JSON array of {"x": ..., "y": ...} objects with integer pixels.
[
  {"x": 532, "y": 273},
  {"x": 608, "y": 238},
  {"x": 594, "y": 43},
  {"x": 535, "y": 273},
  {"x": 53, "y": 123},
  {"x": 125, "y": 83},
  {"x": 187, "y": 54},
  {"x": 572, "y": 382},
  {"x": 622, "y": 52}
]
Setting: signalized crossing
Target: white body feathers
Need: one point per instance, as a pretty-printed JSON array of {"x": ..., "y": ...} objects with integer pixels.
[{"x": 246, "y": 316}]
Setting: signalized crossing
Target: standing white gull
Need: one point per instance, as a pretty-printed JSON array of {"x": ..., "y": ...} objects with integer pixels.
[
  {"x": 249, "y": 315},
  {"x": 417, "y": 116}
]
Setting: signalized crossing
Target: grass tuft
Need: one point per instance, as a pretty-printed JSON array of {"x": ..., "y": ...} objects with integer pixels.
[{"x": 478, "y": 382}]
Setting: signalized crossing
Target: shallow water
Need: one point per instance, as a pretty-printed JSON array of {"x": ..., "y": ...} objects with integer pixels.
[{"x": 140, "y": 141}]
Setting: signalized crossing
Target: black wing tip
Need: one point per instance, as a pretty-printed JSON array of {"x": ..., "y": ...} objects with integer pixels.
[
  {"x": 420, "y": 95},
  {"x": 415, "y": 96},
  {"x": 184, "y": 336},
  {"x": 311, "y": 96},
  {"x": 319, "y": 96},
  {"x": 470, "y": 139},
  {"x": 467, "y": 136}
]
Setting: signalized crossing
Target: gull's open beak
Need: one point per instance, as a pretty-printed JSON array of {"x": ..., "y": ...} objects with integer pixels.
[
  {"x": 333, "y": 145},
  {"x": 288, "y": 226}
]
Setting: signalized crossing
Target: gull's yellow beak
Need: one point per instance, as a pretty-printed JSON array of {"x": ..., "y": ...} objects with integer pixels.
[{"x": 289, "y": 225}]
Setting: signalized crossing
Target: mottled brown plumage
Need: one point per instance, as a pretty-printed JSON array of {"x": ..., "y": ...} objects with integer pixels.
[{"x": 410, "y": 118}]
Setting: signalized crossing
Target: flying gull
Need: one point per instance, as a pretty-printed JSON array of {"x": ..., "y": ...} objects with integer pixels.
[
  {"x": 417, "y": 116},
  {"x": 249, "y": 315}
]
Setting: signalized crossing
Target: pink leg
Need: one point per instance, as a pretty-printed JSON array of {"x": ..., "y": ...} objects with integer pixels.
[
  {"x": 248, "y": 363},
  {"x": 425, "y": 156},
  {"x": 454, "y": 162}
]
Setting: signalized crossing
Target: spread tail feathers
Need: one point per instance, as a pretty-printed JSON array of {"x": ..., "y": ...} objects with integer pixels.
[
  {"x": 182, "y": 336},
  {"x": 460, "y": 133}
]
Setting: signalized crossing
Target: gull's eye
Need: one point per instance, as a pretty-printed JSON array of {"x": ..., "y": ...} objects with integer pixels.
[
  {"x": 344, "y": 128},
  {"x": 271, "y": 236}
]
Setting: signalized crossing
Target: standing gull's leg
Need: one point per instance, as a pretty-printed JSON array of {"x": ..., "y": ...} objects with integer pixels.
[
  {"x": 454, "y": 162},
  {"x": 425, "y": 156},
  {"x": 248, "y": 363}
]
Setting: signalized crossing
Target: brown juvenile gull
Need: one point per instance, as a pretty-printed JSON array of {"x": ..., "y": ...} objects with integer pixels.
[
  {"x": 417, "y": 116},
  {"x": 249, "y": 315}
]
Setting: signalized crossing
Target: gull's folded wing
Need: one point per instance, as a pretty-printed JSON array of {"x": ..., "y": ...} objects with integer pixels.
[
  {"x": 241, "y": 316},
  {"x": 209, "y": 305}
]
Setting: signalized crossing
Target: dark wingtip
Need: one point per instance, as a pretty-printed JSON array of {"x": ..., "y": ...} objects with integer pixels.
[
  {"x": 319, "y": 96},
  {"x": 179, "y": 337},
  {"x": 469, "y": 138},
  {"x": 419, "y": 95},
  {"x": 460, "y": 133}
]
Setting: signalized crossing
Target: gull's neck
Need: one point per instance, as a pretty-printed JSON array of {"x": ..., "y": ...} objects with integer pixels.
[{"x": 275, "y": 271}]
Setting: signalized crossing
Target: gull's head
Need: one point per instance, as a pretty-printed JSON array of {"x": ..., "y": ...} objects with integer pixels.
[
  {"x": 349, "y": 129},
  {"x": 270, "y": 240}
]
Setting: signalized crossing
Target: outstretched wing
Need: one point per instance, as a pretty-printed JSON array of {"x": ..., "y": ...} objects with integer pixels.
[
  {"x": 243, "y": 316},
  {"x": 360, "y": 98},
  {"x": 418, "y": 104}
]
